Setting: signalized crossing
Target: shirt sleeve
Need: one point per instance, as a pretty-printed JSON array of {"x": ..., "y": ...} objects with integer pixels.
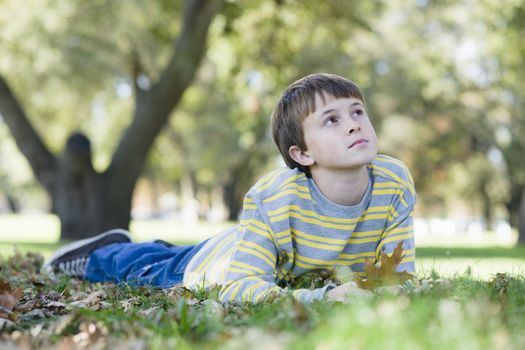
[
  {"x": 400, "y": 226},
  {"x": 252, "y": 272}
]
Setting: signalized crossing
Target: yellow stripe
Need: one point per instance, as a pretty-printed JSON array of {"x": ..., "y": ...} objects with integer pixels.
[
  {"x": 392, "y": 239},
  {"x": 364, "y": 234},
  {"x": 249, "y": 206},
  {"x": 410, "y": 252},
  {"x": 235, "y": 291},
  {"x": 314, "y": 221},
  {"x": 259, "y": 224},
  {"x": 395, "y": 177},
  {"x": 292, "y": 179},
  {"x": 402, "y": 198},
  {"x": 214, "y": 252},
  {"x": 353, "y": 261},
  {"x": 287, "y": 192},
  {"x": 317, "y": 238},
  {"x": 263, "y": 250},
  {"x": 294, "y": 185},
  {"x": 379, "y": 208},
  {"x": 284, "y": 240},
  {"x": 369, "y": 254},
  {"x": 289, "y": 208},
  {"x": 268, "y": 180},
  {"x": 248, "y": 292},
  {"x": 260, "y": 232},
  {"x": 247, "y": 266},
  {"x": 281, "y": 234},
  {"x": 318, "y": 245},
  {"x": 366, "y": 215},
  {"x": 393, "y": 215},
  {"x": 407, "y": 259},
  {"x": 219, "y": 262},
  {"x": 387, "y": 191},
  {"x": 313, "y": 260},
  {"x": 399, "y": 230},
  {"x": 363, "y": 240},
  {"x": 400, "y": 164},
  {"x": 388, "y": 185},
  {"x": 226, "y": 256},
  {"x": 311, "y": 267},
  {"x": 253, "y": 252}
]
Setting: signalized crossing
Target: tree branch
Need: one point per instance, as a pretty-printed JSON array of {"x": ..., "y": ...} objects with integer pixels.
[
  {"x": 27, "y": 139},
  {"x": 153, "y": 107}
]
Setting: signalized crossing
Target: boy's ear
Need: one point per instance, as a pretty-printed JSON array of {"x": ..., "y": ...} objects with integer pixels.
[{"x": 300, "y": 156}]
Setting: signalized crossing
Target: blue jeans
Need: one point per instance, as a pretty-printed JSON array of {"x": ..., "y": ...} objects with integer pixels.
[{"x": 140, "y": 264}]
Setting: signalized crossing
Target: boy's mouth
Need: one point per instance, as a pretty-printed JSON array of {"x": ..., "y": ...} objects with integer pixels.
[{"x": 358, "y": 142}]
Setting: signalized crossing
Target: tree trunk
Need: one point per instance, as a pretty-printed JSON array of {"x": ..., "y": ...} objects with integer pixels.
[
  {"x": 487, "y": 209},
  {"x": 239, "y": 180},
  {"x": 232, "y": 198},
  {"x": 521, "y": 220},
  {"x": 13, "y": 203},
  {"x": 86, "y": 206},
  {"x": 84, "y": 200},
  {"x": 88, "y": 202},
  {"x": 516, "y": 209}
]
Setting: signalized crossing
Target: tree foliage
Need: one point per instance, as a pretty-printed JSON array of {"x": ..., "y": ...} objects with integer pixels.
[{"x": 443, "y": 82}]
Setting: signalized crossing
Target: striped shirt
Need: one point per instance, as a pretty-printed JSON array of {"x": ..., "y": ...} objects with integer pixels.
[{"x": 288, "y": 228}]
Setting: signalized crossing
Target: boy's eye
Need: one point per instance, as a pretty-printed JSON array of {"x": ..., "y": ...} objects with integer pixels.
[
  {"x": 357, "y": 113},
  {"x": 330, "y": 121}
]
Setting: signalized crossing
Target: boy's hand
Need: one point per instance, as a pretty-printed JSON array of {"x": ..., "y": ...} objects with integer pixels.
[{"x": 347, "y": 291}]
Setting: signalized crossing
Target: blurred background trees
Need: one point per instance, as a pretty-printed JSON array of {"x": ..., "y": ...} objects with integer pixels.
[{"x": 443, "y": 80}]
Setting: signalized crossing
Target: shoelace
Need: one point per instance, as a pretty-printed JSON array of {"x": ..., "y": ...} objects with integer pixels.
[{"x": 75, "y": 267}]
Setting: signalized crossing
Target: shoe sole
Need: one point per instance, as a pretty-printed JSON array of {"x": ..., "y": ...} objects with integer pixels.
[{"x": 125, "y": 237}]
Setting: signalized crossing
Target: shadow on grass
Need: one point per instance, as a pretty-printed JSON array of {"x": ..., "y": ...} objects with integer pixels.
[{"x": 486, "y": 252}]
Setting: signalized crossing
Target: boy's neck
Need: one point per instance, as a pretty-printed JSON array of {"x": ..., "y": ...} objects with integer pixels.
[{"x": 345, "y": 187}]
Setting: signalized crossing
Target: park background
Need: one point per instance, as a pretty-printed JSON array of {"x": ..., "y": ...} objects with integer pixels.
[{"x": 155, "y": 115}]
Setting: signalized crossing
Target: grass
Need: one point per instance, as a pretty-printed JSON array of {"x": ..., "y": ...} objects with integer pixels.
[
  {"x": 459, "y": 301},
  {"x": 459, "y": 313}
]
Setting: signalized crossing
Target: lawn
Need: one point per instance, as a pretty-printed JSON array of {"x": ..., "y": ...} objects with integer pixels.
[
  {"x": 429, "y": 313},
  {"x": 463, "y": 298},
  {"x": 481, "y": 256}
]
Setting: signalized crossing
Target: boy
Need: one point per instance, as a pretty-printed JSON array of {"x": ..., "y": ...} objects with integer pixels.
[{"x": 337, "y": 204}]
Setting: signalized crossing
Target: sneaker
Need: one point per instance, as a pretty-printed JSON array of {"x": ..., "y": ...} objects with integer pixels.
[{"x": 72, "y": 258}]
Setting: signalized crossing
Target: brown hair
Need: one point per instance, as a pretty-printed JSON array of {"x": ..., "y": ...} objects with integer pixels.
[{"x": 298, "y": 102}]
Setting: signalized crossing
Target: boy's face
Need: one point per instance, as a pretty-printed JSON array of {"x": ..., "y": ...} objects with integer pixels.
[{"x": 338, "y": 135}]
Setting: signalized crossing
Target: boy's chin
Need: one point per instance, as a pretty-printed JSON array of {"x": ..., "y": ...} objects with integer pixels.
[{"x": 365, "y": 159}]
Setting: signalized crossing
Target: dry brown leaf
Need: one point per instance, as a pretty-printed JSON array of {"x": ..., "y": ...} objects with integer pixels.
[
  {"x": 384, "y": 275},
  {"x": 8, "y": 299},
  {"x": 92, "y": 301}
]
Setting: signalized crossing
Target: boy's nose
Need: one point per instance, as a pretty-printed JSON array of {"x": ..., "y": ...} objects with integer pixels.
[{"x": 353, "y": 128}]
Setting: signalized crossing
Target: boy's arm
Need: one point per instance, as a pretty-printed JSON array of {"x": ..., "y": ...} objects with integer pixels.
[
  {"x": 252, "y": 272},
  {"x": 400, "y": 227}
]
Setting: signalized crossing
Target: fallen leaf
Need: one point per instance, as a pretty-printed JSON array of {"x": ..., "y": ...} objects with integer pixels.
[
  {"x": 27, "y": 306},
  {"x": 36, "y": 313},
  {"x": 385, "y": 274},
  {"x": 93, "y": 300},
  {"x": 129, "y": 304},
  {"x": 500, "y": 283},
  {"x": 8, "y": 299}
]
